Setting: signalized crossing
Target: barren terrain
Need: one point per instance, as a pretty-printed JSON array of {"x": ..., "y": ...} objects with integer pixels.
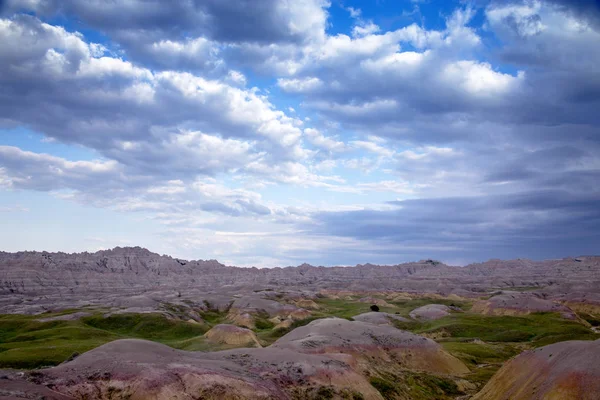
[{"x": 128, "y": 323}]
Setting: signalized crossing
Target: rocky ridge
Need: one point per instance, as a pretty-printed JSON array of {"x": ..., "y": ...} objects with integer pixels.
[{"x": 140, "y": 280}]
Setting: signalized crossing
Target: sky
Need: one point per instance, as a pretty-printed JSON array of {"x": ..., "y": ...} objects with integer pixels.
[{"x": 276, "y": 132}]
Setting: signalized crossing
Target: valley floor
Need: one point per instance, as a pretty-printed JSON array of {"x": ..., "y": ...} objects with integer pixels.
[{"x": 482, "y": 342}]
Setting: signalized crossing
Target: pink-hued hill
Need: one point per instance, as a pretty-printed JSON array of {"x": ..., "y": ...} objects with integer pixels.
[{"x": 561, "y": 371}]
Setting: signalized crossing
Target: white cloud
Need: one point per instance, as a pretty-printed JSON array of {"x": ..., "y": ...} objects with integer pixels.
[
  {"x": 387, "y": 186},
  {"x": 479, "y": 79},
  {"x": 100, "y": 68},
  {"x": 365, "y": 30},
  {"x": 125, "y": 102},
  {"x": 373, "y": 147},
  {"x": 354, "y": 12},
  {"x": 28, "y": 170},
  {"x": 524, "y": 17},
  {"x": 427, "y": 151},
  {"x": 300, "y": 85},
  {"x": 319, "y": 140}
]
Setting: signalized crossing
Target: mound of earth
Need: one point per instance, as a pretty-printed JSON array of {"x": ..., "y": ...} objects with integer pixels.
[
  {"x": 376, "y": 301},
  {"x": 566, "y": 370},
  {"x": 371, "y": 345},
  {"x": 243, "y": 319},
  {"x": 285, "y": 324},
  {"x": 430, "y": 312},
  {"x": 379, "y": 318},
  {"x": 400, "y": 297},
  {"x": 246, "y": 309},
  {"x": 139, "y": 369},
  {"x": 257, "y": 304},
  {"x": 307, "y": 304},
  {"x": 581, "y": 302},
  {"x": 299, "y": 314},
  {"x": 515, "y": 303},
  {"x": 66, "y": 317},
  {"x": 281, "y": 322},
  {"x": 231, "y": 334}
]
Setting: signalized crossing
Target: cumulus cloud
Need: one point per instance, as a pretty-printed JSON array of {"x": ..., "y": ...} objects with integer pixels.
[
  {"x": 132, "y": 114},
  {"x": 563, "y": 48},
  {"x": 321, "y": 141},
  {"x": 230, "y": 20},
  {"x": 370, "y": 81},
  {"x": 188, "y": 34},
  {"x": 409, "y": 143},
  {"x": 104, "y": 184}
]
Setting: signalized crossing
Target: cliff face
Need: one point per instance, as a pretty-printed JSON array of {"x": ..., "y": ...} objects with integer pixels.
[
  {"x": 117, "y": 269},
  {"x": 137, "y": 269}
]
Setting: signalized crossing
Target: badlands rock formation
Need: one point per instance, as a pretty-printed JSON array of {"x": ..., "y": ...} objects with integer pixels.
[
  {"x": 231, "y": 334},
  {"x": 379, "y": 318},
  {"x": 307, "y": 304},
  {"x": 561, "y": 371},
  {"x": 366, "y": 342},
  {"x": 136, "y": 268},
  {"x": 376, "y": 301},
  {"x": 244, "y": 310},
  {"x": 327, "y": 357},
  {"x": 430, "y": 312},
  {"x": 138, "y": 280},
  {"x": 515, "y": 303}
]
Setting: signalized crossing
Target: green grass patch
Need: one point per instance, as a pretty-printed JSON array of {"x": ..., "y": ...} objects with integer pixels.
[
  {"x": 213, "y": 317},
  {"x": 26, "y": 343},
  {"x": 404, "y": 307},
  {"x": 537, "y": 329},
  {"x": 263, "y": 324},
  {"x": 474, "y": 354},
  {"x": 261, "y": 321},
  {"x": 482, "y": 374},
  {"x": 386, "y": 388},
  {"x": 146, "y": 326},
  {"x": 415, "y": 386}
]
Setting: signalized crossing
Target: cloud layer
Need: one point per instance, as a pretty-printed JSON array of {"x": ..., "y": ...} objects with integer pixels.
[{"x": 260, "y": 133}]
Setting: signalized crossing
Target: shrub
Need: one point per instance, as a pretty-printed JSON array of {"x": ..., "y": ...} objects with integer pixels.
[
  {"x": 262, "y": 324},
  {"x": 325, "y": 392}
]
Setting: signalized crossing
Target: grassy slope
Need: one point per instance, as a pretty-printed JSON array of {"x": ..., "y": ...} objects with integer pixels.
[{"x": 28, "y": 343}]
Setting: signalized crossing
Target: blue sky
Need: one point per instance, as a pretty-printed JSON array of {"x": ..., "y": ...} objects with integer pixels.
[{"x": 274, "y": 133}]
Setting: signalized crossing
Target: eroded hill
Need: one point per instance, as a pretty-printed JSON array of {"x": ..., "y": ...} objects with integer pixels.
[{"x": 128, "y": 323}]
